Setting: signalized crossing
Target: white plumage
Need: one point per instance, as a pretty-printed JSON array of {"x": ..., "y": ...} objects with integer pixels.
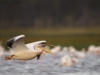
[
  {"x": 22, "y": 52},
  {"x": 67, "y": 60}
]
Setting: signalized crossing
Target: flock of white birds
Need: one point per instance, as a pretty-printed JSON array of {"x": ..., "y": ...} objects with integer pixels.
[{"x": 20, "y": 51}]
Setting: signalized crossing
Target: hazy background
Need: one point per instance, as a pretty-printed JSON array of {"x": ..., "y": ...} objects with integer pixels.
[{"x": 59, "y": 22}]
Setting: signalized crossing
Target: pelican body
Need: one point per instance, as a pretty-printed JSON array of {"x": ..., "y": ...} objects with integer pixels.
[
  {"x": 68, "y": 60},
  {"x": 20, "y": 51}
]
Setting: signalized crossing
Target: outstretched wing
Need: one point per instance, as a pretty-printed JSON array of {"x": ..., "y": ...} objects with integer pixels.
[
  {"x": 16, "y": 44},
  {"x": 32, "y": 45}
]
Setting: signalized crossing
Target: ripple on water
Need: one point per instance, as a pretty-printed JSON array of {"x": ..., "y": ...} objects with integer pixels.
[{"x": 87, "y": 66}]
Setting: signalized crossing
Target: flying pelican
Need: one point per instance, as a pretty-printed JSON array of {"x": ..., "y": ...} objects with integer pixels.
[
  {"x": 44, "y": 44},
  {"x": 22, "y": 52}
]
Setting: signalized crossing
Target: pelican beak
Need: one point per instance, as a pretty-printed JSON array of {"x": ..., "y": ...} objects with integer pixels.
[
  {"x": 49, "y": 45},
  {"x": 46, "y": 50}
]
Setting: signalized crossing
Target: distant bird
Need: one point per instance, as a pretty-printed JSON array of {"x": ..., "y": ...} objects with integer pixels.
[
  {"x": 71, "y": 49},
  {"x": 81, "y": 54},
  {"x": 65, "y": 49},
  {"x": 21, "y": 52},
  {"x": 68, "y": 60},
  {"x": 1, "y": 49},
  {"x": 91, "y": 49},
  {"x": 97, "y": 50},
  {"x": 55, "y": 50}
]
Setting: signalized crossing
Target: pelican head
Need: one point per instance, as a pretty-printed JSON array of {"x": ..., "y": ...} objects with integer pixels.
[{"x": 41, "y": 45}]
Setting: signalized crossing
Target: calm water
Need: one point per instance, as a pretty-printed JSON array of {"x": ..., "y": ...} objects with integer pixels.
[{"x": 48, "y": 66}]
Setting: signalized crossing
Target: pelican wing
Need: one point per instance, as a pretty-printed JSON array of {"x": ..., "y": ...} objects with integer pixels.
[
  {"x": 16, "y": 44},
  {"x": 31, "y": 46}
]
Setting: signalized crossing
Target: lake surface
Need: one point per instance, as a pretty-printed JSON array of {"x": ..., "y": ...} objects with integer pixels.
[{"x": 49, "y": 66}]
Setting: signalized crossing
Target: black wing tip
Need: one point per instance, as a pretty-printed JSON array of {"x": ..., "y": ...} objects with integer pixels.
[{"x": 10, "y": 42}]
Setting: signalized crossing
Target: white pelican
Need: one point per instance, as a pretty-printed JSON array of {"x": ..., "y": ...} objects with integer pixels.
[
  {"x": 44, "y": 44},
  {"x": 67, "y": 60},
  {"x": 1, "y": 49},
  {"x": 65, "y": 49},
  {"x": 97, "y": 50},
  {"x": 71, "y": 49},
  {"x": 94, "y": 50},
  {"x": 21, "y": 51},
  {"x": 55, "y": 50},
  {"x": 81, "y": 54},
  {"x": 91, "y": 49}
]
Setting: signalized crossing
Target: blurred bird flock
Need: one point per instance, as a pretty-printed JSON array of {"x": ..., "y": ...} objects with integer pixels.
[{"x": 70, "y": 24}]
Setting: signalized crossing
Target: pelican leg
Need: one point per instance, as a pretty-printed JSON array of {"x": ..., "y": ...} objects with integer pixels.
[
  {"x": 38, "y": 57},
  {"x": 9, "y": 57}
]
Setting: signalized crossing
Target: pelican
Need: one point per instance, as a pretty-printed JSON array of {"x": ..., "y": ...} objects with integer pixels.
[
  {"x": 81, "y": 54},
  {"x": 65, "y": 49},
  {"x": 72, "y": 49},
  {"x": 68, "y": 60},
  {"x": 55, "y": 51},
  {"x": 20, "y": 51},
  {"x": 44, "y": 44},
  {"x": 91, "y": 49},
  {"x": 97, "y": 50},
  {"x": 1, "y": 49}
]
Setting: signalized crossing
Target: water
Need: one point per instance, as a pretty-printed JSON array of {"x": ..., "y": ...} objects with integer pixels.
[{"x": 48, "y": 66}]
